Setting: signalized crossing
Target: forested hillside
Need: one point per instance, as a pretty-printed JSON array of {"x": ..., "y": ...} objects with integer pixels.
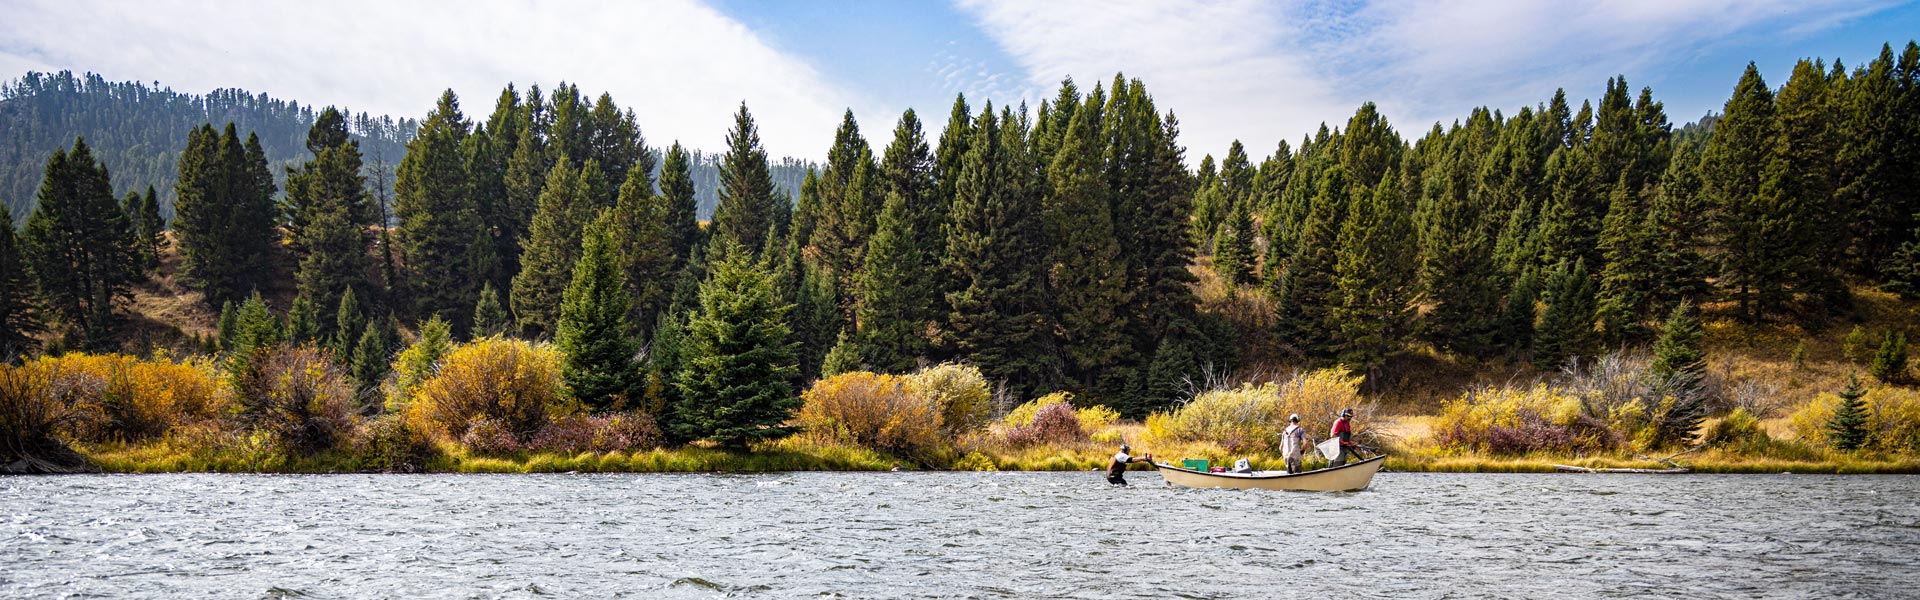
[{"x": 139, "y": 131}]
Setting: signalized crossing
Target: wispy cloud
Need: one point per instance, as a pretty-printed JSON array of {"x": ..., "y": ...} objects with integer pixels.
[
  {"x": 1262, "y": 71},
  {"x": 681, "y": 65}
]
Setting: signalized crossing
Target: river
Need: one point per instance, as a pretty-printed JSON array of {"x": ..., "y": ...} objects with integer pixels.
[{"x": 976, "y": 535}]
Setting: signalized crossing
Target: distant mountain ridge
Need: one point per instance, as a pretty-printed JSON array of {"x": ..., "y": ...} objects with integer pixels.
[{"x": 139, "y": 130}]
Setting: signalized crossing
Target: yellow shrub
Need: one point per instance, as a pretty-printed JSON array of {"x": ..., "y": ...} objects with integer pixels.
[
  {"x": 1022, "y": 416},
  {"x": 1895, "y": 420},
  {"x": 125, "y": 398},
  {"x": 961, "y": 392},
  {"x": 1251, "y": 417},
  {"x": 871, "y": 410},
  {"x": 1096, "y": 418},
  {"x": 1516, "y": 421},
  {"x": 514, "y": 382},
  {"x": 974, "y": 461}
]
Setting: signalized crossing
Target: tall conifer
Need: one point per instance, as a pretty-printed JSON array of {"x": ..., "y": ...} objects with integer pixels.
[
  {"x": 78, "y": 244},
  {"x": 592, "y": 331},
  {"x": 439, "y": 221}
]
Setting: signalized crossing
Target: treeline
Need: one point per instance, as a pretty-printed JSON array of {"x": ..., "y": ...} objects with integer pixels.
[
  {"x": 138, "y": 132},
  {"x": 1052, "y": 248},
  {"x": 1556, "y": 232}
]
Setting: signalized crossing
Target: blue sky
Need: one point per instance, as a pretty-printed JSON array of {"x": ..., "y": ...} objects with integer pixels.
[{"x": 1234, "y": 69}]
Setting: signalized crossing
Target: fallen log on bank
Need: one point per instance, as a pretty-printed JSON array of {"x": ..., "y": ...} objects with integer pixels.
[{"x": 1574, "y": 469}]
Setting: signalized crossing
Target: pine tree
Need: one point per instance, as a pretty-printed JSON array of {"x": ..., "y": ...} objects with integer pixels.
[
  {"x": 489, "y": 316},
  {"x": 255, "y": 331},
  {"x": 1795, "y": 208},
  {"x": 736, "y": 383},
  {"x": 372, "y": 357},
  {"x": 439, "y": 221},
  {"x": 303, "y": 322},
  {"x": 78, "y": 246},
  {"x": 1679, "y": 362},
  {"x": 898, "y": 295},
  {"x": 614, "y": 141},
  {"x": 1742, "y": 147},
  {"x": 1677, "y": 222},
  {"x": 1566, "y": 326},
  {"x": 334, "y": 240},
  {"x": 1868, "y": 176},
  {"x": 1890, "y": 362},
  {"x": 1088, "y": 279},
  {"x": 1631, "y": 272},
  {"x": 1457, "y": 243},
  {"x": 1147, "y": 178},
  {"x": 1375, "y": 273},
  {"x": 526, "y": 175},
  {"x": 348, "y": 317},
  {"x": 1678, "y": 378},
  {"x": 845, "y": 357},
  {"x": 996, "y": 254},
  {"x": 745, "y": 212},
  {"x": 664, "y": 360},
  {"x": 645, "y": 247},
  {"x": 1233, "y": 255},
  {"x": 1571, "y": 220},
  {"x": 224, "y": 214},
  {"x": 952, "y": 153},
  {"x": 144, "y": 262},
  {"x": 1518, "y": 311},
  {"x": 150, "y": 227},
  {"x": 19, "y": 312},
  {"x": 1853, "y": 347},
  {"x": 676, "y": 186},
  {"x": 816, "y": 317},
  {"x": 894, "y": 300},
  {"x": 229, "y": 326},
  {"x": 1847, "y": 428},
  {"x": 849, "y": 203},
  {"x": 1307, "y": 295},
  {"x": 552, "y": 247},
  {"x": 592, "y": 331},
  {"x": 908, "y": 169}
]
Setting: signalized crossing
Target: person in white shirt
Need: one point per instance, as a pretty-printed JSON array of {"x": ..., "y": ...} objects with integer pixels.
[
  {"x": 1293, "y": 442},
  {"x": 1117, "y": 468}
]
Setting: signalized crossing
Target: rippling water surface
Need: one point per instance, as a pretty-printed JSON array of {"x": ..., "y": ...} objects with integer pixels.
[{"x": 1024, "y": 535}]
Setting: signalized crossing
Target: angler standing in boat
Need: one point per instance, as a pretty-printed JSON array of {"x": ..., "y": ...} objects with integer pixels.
[
  {"x": 1117, "y": 467},
  {"x": 1293, "y": 442},
  {"x": 1343, "y": 430}
]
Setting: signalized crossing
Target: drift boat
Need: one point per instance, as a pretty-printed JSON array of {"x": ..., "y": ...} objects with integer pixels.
[{"x": 1351, "y": 476}]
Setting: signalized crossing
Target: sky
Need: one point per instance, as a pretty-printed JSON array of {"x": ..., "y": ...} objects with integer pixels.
[{"x": 1256, "y": 71}]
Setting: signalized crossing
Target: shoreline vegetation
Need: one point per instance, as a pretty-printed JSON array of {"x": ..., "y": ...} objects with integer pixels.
[{"x": 1025, "y": 290}]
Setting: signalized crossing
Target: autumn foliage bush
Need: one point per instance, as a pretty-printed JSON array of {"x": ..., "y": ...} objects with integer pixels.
[
  {"x": 1051, "y": 423},
  {"x": 961, "y": 392},
  {"x": 299, "y": 395},
  {"x": 877, "y": 411},
  {"x": 504, "y": 387},
  {"x": 1518, "y": 421},
  {"x": 116, "y": 397}
]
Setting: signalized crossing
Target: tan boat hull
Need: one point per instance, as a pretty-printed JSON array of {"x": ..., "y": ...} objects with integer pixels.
[{"x": 1352, "y": 476}]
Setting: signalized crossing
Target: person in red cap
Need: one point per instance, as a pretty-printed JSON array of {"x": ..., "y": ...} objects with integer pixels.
[{"x": 1343, "y": 429}]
